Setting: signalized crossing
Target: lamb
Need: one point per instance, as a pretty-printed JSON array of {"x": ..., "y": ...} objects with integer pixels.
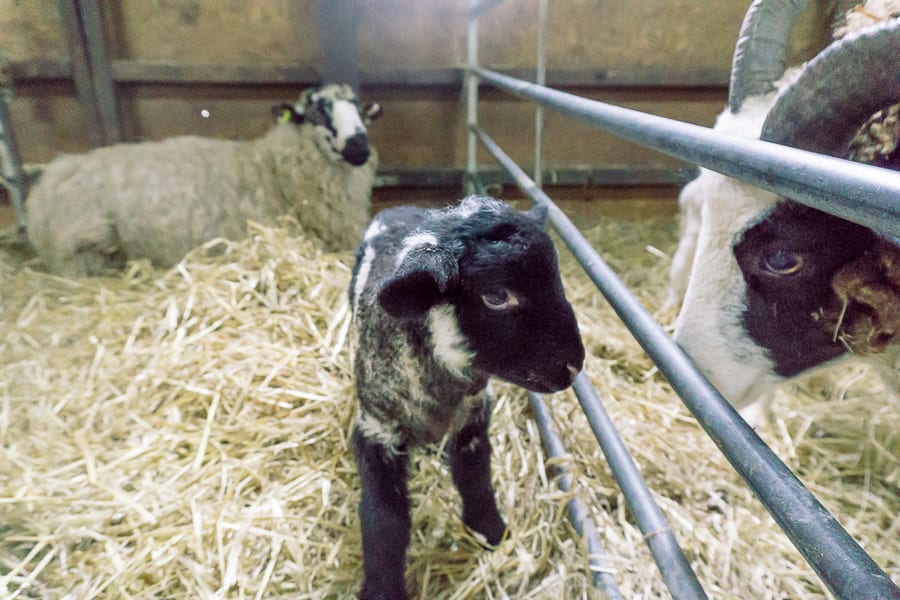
[
  {"x": 442, "y": 300},
  {"x": 773, "y": 288},
  {"x": 157, "y": 200}
]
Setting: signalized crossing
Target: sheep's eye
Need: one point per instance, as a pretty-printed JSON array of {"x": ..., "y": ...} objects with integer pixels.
[
  {"x": 781, "y": 262},
  {"x": 500, "y": 299}
]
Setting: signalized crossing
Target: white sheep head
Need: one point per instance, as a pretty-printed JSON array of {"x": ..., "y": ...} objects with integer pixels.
[
  {"x": 763, "y": 301},
  {"x": 339, "y": 120}
]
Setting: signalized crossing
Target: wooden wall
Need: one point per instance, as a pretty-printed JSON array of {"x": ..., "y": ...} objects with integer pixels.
[{"x": 170, "y": 59}]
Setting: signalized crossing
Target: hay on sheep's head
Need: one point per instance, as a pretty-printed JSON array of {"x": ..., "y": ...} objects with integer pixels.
[{"x": 866, "y": 313}]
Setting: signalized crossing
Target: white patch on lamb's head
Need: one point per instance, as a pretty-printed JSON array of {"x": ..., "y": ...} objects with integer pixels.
[
  {"x": 335, "y": 112},
  {"x": 470, "y": 205},
  {"x": 450, "y": 347},
  {"x": 415, "y": 240}
]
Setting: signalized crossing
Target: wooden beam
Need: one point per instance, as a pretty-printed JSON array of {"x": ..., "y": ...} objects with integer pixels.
[
  {"x": 586, "y": 176},
  {"x": 145, "y": 72}
]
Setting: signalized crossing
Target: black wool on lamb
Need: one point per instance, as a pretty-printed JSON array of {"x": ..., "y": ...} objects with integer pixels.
[{"x": 442, "y": 300}]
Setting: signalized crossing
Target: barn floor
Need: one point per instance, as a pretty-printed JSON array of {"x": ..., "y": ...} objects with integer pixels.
[{"x": 185, "y": 433}]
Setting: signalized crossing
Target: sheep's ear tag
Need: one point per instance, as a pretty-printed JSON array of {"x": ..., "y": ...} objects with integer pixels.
[
  {"x": 286, "y": 113},
  {"x": 420, "y": 283}
]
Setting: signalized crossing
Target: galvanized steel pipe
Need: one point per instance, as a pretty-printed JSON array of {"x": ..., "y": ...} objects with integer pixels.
[
  {"x": 835, "y": 556},
  {"x": 864, "y": 194}
]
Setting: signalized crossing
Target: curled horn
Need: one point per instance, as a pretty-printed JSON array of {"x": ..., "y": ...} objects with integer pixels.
[
  {"x": 837, "y": 91},
  {"x": 759, "y": 56}
]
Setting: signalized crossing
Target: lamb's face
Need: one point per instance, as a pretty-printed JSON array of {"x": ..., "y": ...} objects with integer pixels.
[
  {"x": 487, "y": 278},
  {"x": 511, "y": 307},
  {"x": 339, "y": 121}
]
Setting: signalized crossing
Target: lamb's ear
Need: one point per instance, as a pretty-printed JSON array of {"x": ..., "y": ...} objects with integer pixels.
[
  {"x": 420, "y": 282},
  {"x": 538, "y": 214},
  {"x": 287, "y": 113}
]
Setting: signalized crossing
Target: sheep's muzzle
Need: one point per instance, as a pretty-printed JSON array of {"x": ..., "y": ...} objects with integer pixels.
[{"x": 865, "y": 312}]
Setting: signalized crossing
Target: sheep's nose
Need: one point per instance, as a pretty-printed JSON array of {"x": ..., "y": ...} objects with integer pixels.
[{"x": 356, "y": 150}]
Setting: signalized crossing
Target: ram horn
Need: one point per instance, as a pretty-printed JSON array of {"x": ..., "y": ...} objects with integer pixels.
[
  {"x": 759, "y": 55},
  {"x": 837, "y": 91}
]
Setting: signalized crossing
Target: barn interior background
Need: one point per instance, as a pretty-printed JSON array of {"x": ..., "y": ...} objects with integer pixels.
[
  {"x": 161, "y": 64},
  {"x": 86, "y": 73}
]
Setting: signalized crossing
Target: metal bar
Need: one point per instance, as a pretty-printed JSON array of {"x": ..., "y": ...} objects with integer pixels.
[
  {"x": 860, "y": 193},
  {"x": 471, "y": 92},
  {"x": 601, "y": 573},
  {"x": 476, "y": 7},
  {"x": 832, "y": 553},
  {"x": 81, "y": 73},
  {"x": 337, "y": 42},
  {"x": 673, "y": 565},
  {"x": 99, "y": 68},
  {"x": 540, "y": 79},
  {"x": 11, "y": 162}
]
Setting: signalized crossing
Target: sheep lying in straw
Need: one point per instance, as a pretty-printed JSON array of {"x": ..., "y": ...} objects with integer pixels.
[
  {"x": 773, "y": 288},
  {"x": 157, "y": 200},
  {"x": 442, "y": 300}
]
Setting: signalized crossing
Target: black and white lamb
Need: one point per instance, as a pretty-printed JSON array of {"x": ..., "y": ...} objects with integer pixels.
[
  {"x": 442, "y": 300},
  {"x": 157, "y": 200},
  {"x": 773, "y": 288}
]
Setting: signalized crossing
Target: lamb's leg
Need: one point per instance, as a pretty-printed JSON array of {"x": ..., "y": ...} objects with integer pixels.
[
  {"x": 384, "y": 518},
  {"x": 470, "y": 464}
]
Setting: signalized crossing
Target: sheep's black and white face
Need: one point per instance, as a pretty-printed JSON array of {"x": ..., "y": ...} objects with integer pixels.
[
  {"x": 788, "y": 261},
  {"x": 488, "y": 279},
  {"x": 339, "y": 120}
]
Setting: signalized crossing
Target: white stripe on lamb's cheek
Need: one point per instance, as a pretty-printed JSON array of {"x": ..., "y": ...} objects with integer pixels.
[
  {"x": 416, "y": 240},
  {"x": 375, "y": 229},
  {"x": 362, "y": 275},
  {"x": 450, "y": 348}
]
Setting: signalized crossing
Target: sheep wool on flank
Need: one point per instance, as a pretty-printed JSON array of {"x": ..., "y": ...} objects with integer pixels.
[
  {"x": 771, "y": 288},
  {"x": 158, "y": 200},
  {"x": 442, "y": 300}
]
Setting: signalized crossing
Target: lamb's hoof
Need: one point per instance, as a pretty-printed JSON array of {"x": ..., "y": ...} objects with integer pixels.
[{"x": 489, "y": 535}]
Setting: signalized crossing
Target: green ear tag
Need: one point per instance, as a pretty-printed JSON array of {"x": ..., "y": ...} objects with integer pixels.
[{"x": 285, "y": 117}]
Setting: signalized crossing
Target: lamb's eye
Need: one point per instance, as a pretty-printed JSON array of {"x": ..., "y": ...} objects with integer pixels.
[
  {"x": 782, "y": 262},
  {"x": 500, "y": 299}
]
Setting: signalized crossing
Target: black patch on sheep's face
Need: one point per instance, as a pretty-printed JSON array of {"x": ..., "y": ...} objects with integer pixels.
[{"x": 788, "y": 260}]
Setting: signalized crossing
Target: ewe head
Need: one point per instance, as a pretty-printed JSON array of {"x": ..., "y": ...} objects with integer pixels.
[
  {"x": 774, "y": 288},
  {"x": 488, "y": 280},
  {"x": 338, "y": 119}
]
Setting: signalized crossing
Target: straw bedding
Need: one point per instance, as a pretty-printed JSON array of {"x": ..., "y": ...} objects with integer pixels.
[{"x": 185, "y": 434}]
